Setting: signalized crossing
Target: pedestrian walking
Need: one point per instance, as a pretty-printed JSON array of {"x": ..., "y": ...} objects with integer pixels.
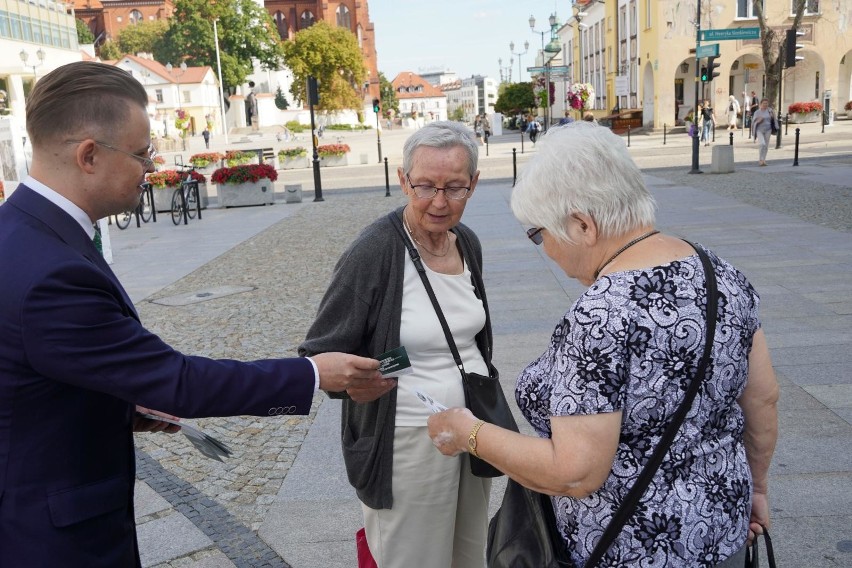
[
  {"x": 732, "y": 112},
  {"x": 765, "y": 124},
  {"x": 708, "y": 121},
  {"x": 206, "y": 135}
]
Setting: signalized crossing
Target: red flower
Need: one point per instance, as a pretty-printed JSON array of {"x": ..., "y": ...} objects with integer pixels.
[
  {"x": 243, "y": 174},
  {"x": 805, "y": 107}
]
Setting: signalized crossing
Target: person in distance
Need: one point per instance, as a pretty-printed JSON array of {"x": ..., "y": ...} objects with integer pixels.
[
  {"x": 618, "y": 365},
  {"x": 75, "y": 361}
]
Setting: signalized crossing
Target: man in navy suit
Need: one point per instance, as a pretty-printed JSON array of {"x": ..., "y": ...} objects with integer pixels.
[{"x": 75, "y": 362}]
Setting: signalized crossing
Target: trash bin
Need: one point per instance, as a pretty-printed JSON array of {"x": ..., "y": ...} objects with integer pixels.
[{"x": 293, "y": 193}]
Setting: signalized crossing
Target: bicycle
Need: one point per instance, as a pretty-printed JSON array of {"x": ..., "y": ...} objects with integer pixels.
[
  {"x": 144, "y": 210},
  {"x": 185, "y": 203}
]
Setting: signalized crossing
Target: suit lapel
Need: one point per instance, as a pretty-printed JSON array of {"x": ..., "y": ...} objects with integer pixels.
[{"x": 67, "y": 230}]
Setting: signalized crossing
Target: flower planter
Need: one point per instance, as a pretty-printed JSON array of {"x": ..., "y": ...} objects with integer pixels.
[
  {"x": 163, "y": 199},
  {"x": 331, "y": 161},
  {"x": 293, "y": 162},
  {"x": 243, "y": 194},
  {"x": 802, "y": 117}
]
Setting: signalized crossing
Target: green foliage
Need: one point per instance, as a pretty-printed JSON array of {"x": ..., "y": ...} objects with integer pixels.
[
  {"x": 388, "y": 96},
  {"x": 331, "y": 54},
  {"x": 280, "y": 100},
  {"x": 84, "y": 34},
  {"x": 109, "y": 51},
  {"x": 142, "y": 37},
  {"x": 295, "y": 126},
  {"x": 517, "y": 97},
  {"x": 246, "y": 31},
  {"x": 349, "y": 127},
  {"x": 457, "y": 114}
]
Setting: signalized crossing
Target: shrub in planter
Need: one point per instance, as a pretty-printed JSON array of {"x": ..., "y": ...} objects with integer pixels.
[
  {"x": 238, "y": 158},
  {"x": 848, "y": 106},
  {"x": 244, "y": 174},
  {"x": 805, "y": 107},
  {"x": 295, "y": 126},
  {"x": 205, "y": 159},
  {"x": 296, "y": 152},
  {"x": 164, "y": 179},
  {"x": 329, "y": 150}
]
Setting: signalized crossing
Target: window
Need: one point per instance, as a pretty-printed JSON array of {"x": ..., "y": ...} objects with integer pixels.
[
  {"x": 307, "y": 20},
  {"x": 159, "y": 94},
  {"x": 281, "y": 25},
  {"x": 745, "y": 8},
  {"x": 811, "y": 7},
  {"x": 186, "y": 97},
  {"x": 343, "y": 18},
  {"x": 136, "y": 17},
  {"x": 647, "y": 14}
]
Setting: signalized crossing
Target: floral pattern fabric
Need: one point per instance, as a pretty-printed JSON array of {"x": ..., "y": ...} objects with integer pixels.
[{"x": 631, "y": 343}]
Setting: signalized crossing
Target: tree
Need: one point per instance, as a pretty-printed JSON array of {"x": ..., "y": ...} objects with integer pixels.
[
  {"x": 517, "y": 97},
  {"x": 388, "y": 96},
  {"x": 772, "y": 47},
  {"x": 84, "y": 34},
  {"x": 142, "y": 37},
  {"x": 458, "y": 114},
  {"x": 280, "y": 100},
  {"x": 109, "y": 50},
  {"x": 331, "y": 54},
  {"x": 246, "y": 31}
]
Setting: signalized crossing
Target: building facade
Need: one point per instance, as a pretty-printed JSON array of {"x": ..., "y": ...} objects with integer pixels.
[
  {"x": 419, "y": 101},
  {"x": 636, "y": 54},
  {"x": 105, "y": 18}
]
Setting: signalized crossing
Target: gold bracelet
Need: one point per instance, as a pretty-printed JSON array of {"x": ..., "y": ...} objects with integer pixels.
[{"x": 471, "y": 440}]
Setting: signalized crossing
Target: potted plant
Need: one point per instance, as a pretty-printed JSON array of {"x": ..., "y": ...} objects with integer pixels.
[
  {"x": 848, "y": 108},
  {"x": 245, "y": 185},
  {"x": 159, "y": 161},
  {"x": 291, "y": 158},
  {"x": 810, "y": 111},
  {"x": 238, "y": 157},
  {"x": 333, "y": 154},
  {"x": 204, "y": 159},
  {"x": 164, "y": 183}
]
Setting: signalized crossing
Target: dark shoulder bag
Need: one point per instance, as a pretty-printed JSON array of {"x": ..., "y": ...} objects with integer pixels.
[
  {"x": 483, "y": 394},
  {"x": 523, "y": 532}
]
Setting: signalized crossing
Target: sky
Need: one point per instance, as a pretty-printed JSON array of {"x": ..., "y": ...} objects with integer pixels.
[{"x": 464, "y": 36}]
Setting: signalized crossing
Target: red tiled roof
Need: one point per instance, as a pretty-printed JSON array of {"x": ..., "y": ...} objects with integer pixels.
[{"x": 408, "y": 79}]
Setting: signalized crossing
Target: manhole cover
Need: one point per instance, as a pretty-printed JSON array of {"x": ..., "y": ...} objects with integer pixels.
[{"x": 201, "y": 295}]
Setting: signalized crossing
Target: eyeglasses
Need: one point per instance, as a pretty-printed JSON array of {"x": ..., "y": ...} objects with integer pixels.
[
  {"x": 430, "y": 191},
  {"x": 534, "y": 235},
  {"x": 146, "y": 161}
]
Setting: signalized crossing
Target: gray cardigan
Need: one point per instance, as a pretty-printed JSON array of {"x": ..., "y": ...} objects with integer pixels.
[{"x": 360, "y": 313}]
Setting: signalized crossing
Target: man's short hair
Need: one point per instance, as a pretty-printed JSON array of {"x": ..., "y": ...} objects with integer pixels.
[{"x": 81, "y": 95}]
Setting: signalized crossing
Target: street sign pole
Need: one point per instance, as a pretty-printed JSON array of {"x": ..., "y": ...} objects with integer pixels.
[{"x": 695, "y": 169}]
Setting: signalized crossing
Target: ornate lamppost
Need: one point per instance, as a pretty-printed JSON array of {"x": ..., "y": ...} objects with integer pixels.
[
  {"x": 548, "y": 52},
  {"x": 518, "y": 55},
  {"x": 25, "y": 56}
]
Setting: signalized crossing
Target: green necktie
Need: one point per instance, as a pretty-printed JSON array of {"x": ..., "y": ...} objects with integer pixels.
[{"x": 97, "y": 239}]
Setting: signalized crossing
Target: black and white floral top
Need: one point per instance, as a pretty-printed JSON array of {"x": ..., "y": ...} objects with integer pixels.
[{"x": 631, "y": 342}]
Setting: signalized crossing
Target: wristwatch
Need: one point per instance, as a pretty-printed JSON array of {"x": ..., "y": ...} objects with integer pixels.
[{"x": 471, "y": 439}]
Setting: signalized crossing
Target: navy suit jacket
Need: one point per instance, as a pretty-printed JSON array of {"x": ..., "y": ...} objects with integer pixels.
[{"x": 74, "y": 362}]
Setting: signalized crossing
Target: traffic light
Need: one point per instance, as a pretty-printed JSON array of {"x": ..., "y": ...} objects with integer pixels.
[
  {"x": 703, "y": 74},
  {"x": 791, "y": 47},
  {"x": 711, "y": 72},
  {"x": 376, "y": 106}
]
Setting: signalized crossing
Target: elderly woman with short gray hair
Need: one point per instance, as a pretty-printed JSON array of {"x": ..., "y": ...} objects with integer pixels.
[
  {"x": 617, "y": 366},
  {"x": 419, "y": 508}
]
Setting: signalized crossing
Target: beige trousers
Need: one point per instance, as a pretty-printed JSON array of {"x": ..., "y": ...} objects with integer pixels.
[{"x": 439, "y": 517}]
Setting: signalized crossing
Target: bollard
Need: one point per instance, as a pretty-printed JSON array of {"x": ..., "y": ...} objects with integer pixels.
[
  {"x": 796, "y": 153},
  {"x": 664, "y": 134},
  {"x": 786, "y": 123},
  {"x": 628, "y": 136},
  {"x": 387, "y": 180},
  {"x": 486, "y": 146},
  {"x": 514, "y": 166},
  {"x": 731, "y": 136},
  {"x": 714, "y": 133},
  {"x": 823, "y": 122}
]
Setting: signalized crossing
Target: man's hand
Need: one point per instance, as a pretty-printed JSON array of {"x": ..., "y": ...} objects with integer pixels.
[
  {"x": 358, "y": 376},
  {"x": 142, "y": 424}
]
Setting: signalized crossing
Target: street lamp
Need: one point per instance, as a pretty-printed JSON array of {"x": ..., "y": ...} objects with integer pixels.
[
  {"x": 552, "y": 49},
  {"x": 505, "y": 71},
  {"x": 518, "y": 55},
  {"x": 221, "y": 88},
  {"x": 178, "y": 76},
  {"x": 25, "y": 57}
]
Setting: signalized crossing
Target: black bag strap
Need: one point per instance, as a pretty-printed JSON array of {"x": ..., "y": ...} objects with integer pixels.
[
  {"x": 625, "y": 510},
  {"x": 421, "y": 271},
  {"x": 751, "y": 560}
]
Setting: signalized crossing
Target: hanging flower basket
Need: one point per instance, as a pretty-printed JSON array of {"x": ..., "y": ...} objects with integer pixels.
[{"x": 580, "y": 96}]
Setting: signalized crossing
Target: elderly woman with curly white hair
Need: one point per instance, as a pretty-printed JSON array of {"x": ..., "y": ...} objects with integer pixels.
[{"x": 616, "y": 369}]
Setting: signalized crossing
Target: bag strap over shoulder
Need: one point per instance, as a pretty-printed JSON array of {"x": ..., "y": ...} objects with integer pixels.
[{"x": 627, "y": 507}]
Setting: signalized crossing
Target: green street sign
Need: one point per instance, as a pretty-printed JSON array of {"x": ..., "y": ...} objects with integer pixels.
[
  {"x": 709, "y": 50},
  {"x": 733, "y": 33},
  {"x": 536, "y": 69}
]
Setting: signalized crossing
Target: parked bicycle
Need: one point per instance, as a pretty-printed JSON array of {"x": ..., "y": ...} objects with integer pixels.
[
  {"x": 185, "y": 200},
  {"x": 144, "y": 210}
]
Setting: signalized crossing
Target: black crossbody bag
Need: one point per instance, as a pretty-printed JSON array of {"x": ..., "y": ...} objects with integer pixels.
[{"x": 483, "y": 394}]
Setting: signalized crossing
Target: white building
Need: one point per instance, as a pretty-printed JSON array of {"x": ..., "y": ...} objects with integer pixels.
[{"x": 419, "y": 101}]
